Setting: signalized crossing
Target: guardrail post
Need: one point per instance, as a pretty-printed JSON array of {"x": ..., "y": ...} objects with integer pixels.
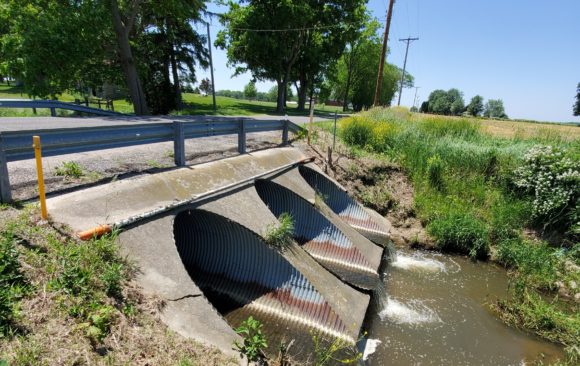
[
  {"x": 285, "y": 132},
  {"x": 179, "y": 143},
  {"x": 242, "y": 137},
  {"x": 53, "y": 112},
  {"x": 5, "y": 191}
]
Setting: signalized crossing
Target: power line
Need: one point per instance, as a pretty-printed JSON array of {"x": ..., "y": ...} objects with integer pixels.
[{"x": 408, "y": 40}]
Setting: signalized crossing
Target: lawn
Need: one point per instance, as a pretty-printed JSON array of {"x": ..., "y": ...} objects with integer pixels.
[{"x": 194, "y": 104}]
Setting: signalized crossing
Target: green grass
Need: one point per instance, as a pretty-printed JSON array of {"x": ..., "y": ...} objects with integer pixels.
[
  {"x": 280, "y": 236},
  {"x": 69, "y": 169},
  {"x": 194, "y": 104},
  {"x": 466, "y": 196}
]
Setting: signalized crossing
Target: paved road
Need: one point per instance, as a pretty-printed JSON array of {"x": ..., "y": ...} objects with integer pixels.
[{"x": 40, "y": 123}]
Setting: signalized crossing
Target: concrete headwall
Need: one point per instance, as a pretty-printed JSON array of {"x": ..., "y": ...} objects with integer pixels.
[{"x": 208, "y": 256}]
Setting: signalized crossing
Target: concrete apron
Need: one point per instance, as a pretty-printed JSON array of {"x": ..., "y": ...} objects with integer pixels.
[{"x": 326, "y": 305}]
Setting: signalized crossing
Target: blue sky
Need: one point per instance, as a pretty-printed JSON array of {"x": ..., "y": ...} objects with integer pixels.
[{"x": 525, "y": 52}]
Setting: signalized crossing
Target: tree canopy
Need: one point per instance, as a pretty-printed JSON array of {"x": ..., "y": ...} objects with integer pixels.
[
  {"x": 250, "y": 91},
  {"x": 352, "y": 78},
  {"x": 475, "y": 106},
  {"x": 494, "y": 109},
  {"x": 147, "y": 46},
  {"x": 307, "y": 34},
  {"x": 576, "y": 106}
]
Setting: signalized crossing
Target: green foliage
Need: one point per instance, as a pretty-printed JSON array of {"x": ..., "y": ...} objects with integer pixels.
[
  {"x": 489, "y": 197},
  {"x": 250, "y": 91},
  {"x": 277, "y": 55},
  {"x": 69, "y": 169},
  {"x": 462, "y": 233},
  {"x": 99, "y": 323},
  {"x": 280, "y": 236},
  {"x": 435, "y": 172},
  {"x": 475, "y": 107},
  {"x": 446, "y": 102},
  {"x": 334, "y": 351},
  {"x": 12, "y": 284},
  {"x": 494, "y": 109},
  {"x": 576, "y": 106},
  {"x": 552, "y": 178},
  {"x": 253, "y": 340},
  {"x": 354, "y": 75}
]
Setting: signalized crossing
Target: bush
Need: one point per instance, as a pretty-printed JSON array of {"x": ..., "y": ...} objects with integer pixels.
[
  {"x": 69, "y": 169},
  {"x": 554, "y": 181},
  {"x": 12, "y": 284},
  {"x": 435, "y": 171},
  {"x": 462, "y": 233},
  {"x": 357, "y": 131}
]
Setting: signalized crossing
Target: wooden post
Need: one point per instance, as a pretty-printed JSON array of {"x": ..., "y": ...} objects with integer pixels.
[
  {"x": 179, "y": 143},
  {"x": 285, "y": 132}
]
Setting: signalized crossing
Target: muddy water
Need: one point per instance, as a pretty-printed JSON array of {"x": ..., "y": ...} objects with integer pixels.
[{"x": 433, "y": 312}]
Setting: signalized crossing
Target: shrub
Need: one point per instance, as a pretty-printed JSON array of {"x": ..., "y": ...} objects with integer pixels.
[
  {"x": 357, "y": 131},
  {"x": 554, "y": 181},
  {"x": 253, "y": 340},
  {"x": 280, "y": 236},
  {"x": 435, "y": 171},
  {"x": 12, "y": 284},
  {"x": 462, "y": 233},
  {"x": 69, "y": 169}
]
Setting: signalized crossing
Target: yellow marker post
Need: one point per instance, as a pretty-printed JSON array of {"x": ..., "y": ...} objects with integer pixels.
[{"x": 41, "y": 192}]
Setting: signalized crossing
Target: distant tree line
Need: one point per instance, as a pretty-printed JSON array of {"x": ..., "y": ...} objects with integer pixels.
[
  {"x": 451, "y": 103},
  {"x": 251, "y": 93}
]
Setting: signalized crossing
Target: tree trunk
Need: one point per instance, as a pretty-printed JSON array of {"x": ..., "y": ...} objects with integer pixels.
[
  {"x": 127, "y": 62},
  {"x": 281, "y": 95},
  {"x": 302, "y": 92},
  {"x": 175, "y": 72}
]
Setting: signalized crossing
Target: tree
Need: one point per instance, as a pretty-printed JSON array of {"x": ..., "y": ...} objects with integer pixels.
[
  {"x": 274, "y": 55},
  {"x": 576, "y": 107},
  {"x": 475, "y": 106},
  {"x": 424, "y": 107},
  {"x": 446, "y": 102},
  {"x": 205, "y": 86},
  {"x": 250, "y": 90},
  {"x": 352, "y": 78},
  {"x": 494, "y": 109},
  {"x": 439, "y": 102}
]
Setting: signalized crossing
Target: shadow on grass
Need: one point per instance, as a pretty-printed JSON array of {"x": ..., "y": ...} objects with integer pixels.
[{"x": 243, "y": 108}]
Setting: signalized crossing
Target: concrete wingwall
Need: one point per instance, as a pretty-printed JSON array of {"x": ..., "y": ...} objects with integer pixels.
[{"x": 207, "y": 254}]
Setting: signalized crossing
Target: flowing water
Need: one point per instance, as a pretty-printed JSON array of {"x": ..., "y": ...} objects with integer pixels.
[{"x": 433, "y": 311}]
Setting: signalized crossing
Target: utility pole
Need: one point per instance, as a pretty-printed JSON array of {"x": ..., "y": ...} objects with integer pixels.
[
  {"x": 383, "y": 55},
  {"x": 211, "y": 66},
  {"x": 408, "y": 40},
  {"x": 415, "y": 99}
]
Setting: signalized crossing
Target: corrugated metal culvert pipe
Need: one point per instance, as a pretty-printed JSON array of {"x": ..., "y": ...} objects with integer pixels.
[
  {"x": 344, "y": 206},
  {"x": 319, "y": 237},
  {"x": 242, "y": 276}
]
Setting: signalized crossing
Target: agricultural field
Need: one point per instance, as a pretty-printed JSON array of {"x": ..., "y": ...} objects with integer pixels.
[{"x": 491, "y": 190}]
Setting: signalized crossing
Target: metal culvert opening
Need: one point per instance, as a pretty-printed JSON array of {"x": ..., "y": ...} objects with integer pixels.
[
  {"x": 241, "y": 276},
  {"x": 319, "y": 237},
  {"x": 344, "y": 206}
]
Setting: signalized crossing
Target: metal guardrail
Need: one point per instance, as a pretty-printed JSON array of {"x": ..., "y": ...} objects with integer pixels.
[
  {"x": 17, "y": 145},
  {"x": 53, "y": 105}
]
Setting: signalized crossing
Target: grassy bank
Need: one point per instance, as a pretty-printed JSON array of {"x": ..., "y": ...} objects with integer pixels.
[
  {"x": 75, "y": 303},
  {"x": 494, "y": 195}
]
